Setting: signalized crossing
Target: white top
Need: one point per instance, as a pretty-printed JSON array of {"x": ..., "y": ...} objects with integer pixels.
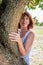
[{"x": 26, "y": 57}]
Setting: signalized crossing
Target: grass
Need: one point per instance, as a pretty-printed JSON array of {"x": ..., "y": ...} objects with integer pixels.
[
  {"x": 36, "y": 57},
  {"x": 38, "y": 31}
]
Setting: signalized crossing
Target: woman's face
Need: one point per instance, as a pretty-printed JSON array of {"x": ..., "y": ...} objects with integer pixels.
[{"x": 24, "y": 22}]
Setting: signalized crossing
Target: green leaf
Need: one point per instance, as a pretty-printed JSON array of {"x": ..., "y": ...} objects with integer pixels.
[
  {"x": 41, "y": 6},
  {"x": 41, "y": 0},
  {"x": 36, "y": 1}
]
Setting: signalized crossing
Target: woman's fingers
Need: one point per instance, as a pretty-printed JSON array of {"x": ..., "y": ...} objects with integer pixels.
[
  {"x": 14, "y": 36},
  {"x": 13, "y": 33},
  {"x": 13, "y": 39}
]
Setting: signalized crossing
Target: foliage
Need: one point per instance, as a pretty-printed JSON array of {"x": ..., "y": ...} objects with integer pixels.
[
  {"x": 30, "y": 6},
  {"x": 41, "y": 24},
  {"x": 41, "y": 5},
  {"x": 36, "y": 21},
  {"x": 33, "y": 3}
]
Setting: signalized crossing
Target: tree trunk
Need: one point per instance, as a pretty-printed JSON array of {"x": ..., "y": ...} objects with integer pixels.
[{"x": 9, "y": 52}]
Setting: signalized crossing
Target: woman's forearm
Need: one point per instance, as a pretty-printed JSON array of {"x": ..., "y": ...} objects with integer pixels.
[
  {"x": 21, "y": 48},
  {"x": 16, "y": 37}
]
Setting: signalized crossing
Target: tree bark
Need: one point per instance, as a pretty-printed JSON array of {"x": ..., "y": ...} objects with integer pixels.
[{"x": 9, "y": 53}]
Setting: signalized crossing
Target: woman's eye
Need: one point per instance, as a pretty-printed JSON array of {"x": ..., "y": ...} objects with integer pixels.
[{"x": 26, "y": 18}]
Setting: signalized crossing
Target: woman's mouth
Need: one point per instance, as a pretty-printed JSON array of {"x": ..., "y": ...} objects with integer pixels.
[{"x": 23, "y": 23}]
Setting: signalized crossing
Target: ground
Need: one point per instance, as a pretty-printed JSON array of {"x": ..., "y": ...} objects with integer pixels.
[{"x": 36, "y": 55}]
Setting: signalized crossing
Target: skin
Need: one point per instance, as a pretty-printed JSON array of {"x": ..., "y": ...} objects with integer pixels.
[{"x": 17, "y": 37}]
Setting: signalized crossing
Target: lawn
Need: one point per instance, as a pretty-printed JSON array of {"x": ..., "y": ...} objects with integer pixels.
[
  {"x": 36, "y": 56},
  {"x": 38, "y": 31}
]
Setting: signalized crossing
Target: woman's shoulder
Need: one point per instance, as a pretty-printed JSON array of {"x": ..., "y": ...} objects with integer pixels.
[{"x": 31, "y": 33}]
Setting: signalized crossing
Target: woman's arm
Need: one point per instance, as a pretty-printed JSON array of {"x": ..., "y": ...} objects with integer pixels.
[
  {"x": 28, "y": 42},
  {"x": 21, "y": 48},
  {"x": 16, "y": 37}
]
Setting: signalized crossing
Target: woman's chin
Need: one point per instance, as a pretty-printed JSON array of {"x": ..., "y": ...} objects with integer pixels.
[{"x": 23, "y": 27}]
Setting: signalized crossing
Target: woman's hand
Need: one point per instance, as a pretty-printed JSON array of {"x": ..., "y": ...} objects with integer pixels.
[{"x": 14, "y": 36}]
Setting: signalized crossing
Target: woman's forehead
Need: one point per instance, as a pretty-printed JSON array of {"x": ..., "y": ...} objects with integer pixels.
[{"x": 25, "y": 16}]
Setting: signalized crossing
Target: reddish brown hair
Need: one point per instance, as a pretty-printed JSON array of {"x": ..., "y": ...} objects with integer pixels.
[{"x": 30, "y": 18}]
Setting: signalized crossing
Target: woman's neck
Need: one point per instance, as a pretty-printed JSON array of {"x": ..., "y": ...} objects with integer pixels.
[{"x": 24, "y": 30}]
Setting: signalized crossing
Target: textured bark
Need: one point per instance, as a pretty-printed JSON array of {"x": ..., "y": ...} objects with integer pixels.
[{"x": 9, "y": 52}]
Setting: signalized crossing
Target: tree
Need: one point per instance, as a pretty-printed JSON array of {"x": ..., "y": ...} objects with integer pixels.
[{"x": 9, "y": 18}]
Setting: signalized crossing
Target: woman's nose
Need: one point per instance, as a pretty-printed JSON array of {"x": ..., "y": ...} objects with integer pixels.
[{"x": 24, "y": 20}]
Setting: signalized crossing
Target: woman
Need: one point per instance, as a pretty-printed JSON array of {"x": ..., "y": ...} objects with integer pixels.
[{"x": 25, "y": 36}]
